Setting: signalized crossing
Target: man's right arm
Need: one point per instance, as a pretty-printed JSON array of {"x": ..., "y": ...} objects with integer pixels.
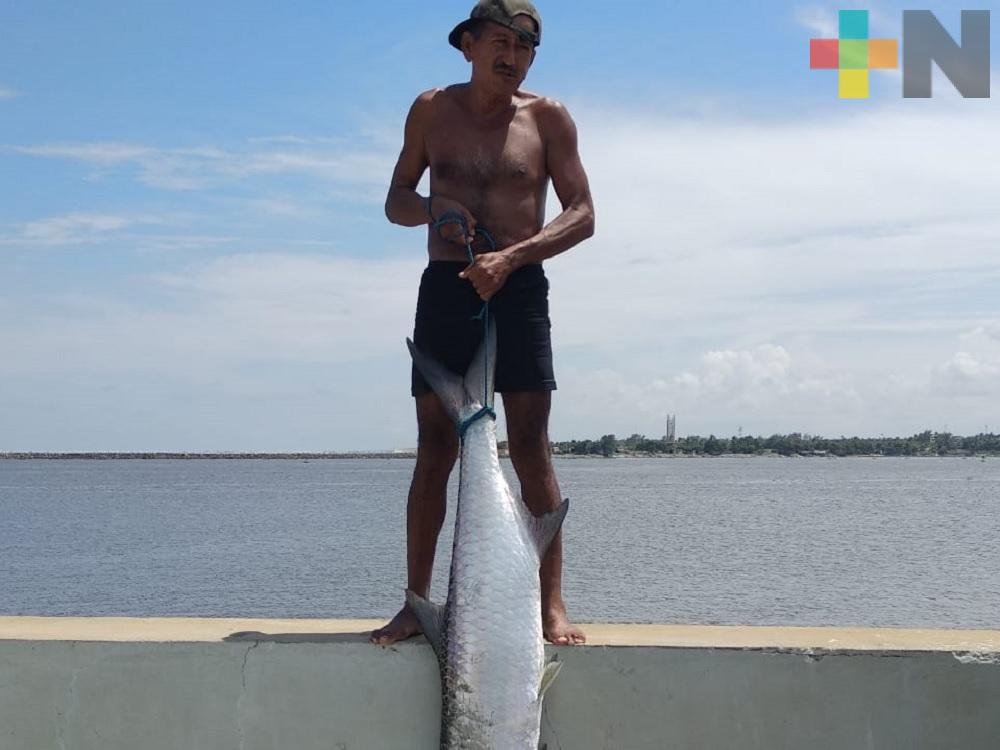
[{"x": 403, "y": 205}]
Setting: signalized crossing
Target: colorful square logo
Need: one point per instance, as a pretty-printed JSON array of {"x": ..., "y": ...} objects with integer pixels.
[{"x": 852, "y": 54}]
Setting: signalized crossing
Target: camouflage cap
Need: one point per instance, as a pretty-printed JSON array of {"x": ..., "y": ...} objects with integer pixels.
[{"x": 501, "y": 12}]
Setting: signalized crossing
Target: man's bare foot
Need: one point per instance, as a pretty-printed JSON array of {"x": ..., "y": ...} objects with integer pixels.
[
  {"x": 557, "y": 628},
  {"x": 404, "y": 625}
]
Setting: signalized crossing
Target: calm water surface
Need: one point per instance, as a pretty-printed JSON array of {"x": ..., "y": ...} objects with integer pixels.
[{"x": 860, "y": 541}]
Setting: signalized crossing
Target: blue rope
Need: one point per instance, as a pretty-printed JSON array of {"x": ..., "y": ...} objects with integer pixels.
[
  {"x": 464, "y": 425},
  {"x": 453, "y": 217}
]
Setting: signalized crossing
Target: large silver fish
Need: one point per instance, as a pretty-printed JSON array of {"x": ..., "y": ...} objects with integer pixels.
[{"x": 488, "y": 635}]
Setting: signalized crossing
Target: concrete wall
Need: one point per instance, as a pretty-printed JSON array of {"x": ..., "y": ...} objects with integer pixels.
[{"x": 222, "y": 684}]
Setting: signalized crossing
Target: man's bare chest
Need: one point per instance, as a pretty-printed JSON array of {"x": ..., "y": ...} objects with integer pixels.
[{"x": 462, "y": 155}]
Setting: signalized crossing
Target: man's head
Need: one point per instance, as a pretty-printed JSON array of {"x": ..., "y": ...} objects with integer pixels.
[
  {"x": 499, "y": 39},
  {"x": 501, "y": 12}
]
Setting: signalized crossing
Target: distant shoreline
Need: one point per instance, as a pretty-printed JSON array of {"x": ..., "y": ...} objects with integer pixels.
[
  {"x": 153, "y": 455},
  {"x": 148, "y": 456}
]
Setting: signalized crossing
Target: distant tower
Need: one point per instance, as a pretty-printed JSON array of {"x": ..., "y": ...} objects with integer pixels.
[{"x": 671, "y": 436}]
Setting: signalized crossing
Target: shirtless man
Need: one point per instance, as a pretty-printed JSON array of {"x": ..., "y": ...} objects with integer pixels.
[{"x": 491, "y": 149}]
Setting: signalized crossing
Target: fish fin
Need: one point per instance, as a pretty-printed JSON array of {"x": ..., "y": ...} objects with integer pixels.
[
  {"x": 548, "y": 677},
  {"x": 446, "y": 384},
  {"x": 482, "y": 368},
  {"x": 431, "y": 617},
  {"x": 544, "y": 528}
]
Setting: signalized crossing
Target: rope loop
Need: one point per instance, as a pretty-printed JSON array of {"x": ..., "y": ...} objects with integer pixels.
[{"x": 454, "y": 217}]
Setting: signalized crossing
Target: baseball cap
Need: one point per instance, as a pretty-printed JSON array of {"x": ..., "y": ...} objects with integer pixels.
[{"x": 501, "y": 12}]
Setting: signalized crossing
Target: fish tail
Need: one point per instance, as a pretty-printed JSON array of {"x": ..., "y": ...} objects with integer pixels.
[{"x": 461, "y": 395}]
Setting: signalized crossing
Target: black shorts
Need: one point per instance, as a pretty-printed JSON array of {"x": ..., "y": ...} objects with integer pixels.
[{"x": 445, "y": 328}]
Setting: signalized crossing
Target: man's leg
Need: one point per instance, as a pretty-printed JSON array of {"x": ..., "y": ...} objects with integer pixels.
[
  {"x": 437, "y": 449},
  {"x": 528, "y": 441}
]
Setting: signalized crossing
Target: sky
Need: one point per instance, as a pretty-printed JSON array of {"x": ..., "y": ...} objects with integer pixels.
[{"x": 194, "y": 254}]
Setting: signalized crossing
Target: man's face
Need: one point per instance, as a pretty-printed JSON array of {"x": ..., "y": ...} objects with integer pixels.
[{"x": 501, "y": 55}]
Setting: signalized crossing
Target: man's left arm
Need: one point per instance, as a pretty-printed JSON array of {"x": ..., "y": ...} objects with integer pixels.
[
  {"x": 562, "y": 160},
  {"x": 569, "y": 228}
]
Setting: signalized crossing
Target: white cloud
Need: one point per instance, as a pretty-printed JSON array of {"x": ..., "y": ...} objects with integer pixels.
[
  {"x": 823, "y": 19},
  {"x": 310, "y": 308},
  {"x": 363, "y": 167},
  {"x": 974, "y": 370},
  {"x": 77, "y": 227},
  {"x": 820, "y": 20},
  {"x": 223, "y": 313},
  {"x": 297, "y": 139},
  {"x": 727, "y": 228},
  {"x": 286, "y": 206},
  {"x": 729, "y": 372},
  {"x": 764, "y": 388}
]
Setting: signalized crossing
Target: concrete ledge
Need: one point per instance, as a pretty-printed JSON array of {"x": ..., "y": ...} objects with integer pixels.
[
  {"x": 206, "y": 629},
  {"x": 117, "y": 683}
]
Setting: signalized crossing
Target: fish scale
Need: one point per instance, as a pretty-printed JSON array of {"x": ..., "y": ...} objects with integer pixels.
[{"x": 488, "y": 635}]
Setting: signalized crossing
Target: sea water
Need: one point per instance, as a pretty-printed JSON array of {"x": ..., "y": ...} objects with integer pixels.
[{"x": 888, "y": 542}]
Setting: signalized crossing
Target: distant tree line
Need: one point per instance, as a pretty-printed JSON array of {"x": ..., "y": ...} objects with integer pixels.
[{"x": 926, "y": 443}]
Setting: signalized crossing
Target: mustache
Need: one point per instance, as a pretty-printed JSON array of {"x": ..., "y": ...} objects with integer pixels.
[{"x": 505, "y": 70}]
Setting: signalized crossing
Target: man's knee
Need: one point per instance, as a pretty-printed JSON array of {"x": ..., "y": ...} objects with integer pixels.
[
  {"x": 527, "y": 426},
  {"x": 437, "y": 438},
  {"x": 436, "y": 452}
]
